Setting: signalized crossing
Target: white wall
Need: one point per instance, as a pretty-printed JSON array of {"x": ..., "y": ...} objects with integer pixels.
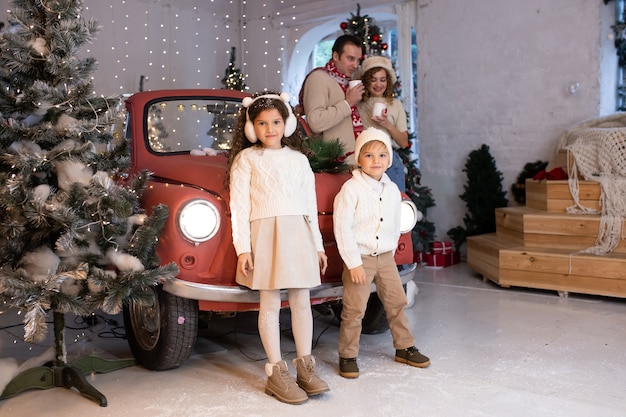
[
  {"x": 497, "y": 72},
  {"x": 490, "y": 71}
]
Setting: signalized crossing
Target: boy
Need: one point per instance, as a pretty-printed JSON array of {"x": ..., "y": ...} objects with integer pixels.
[{"x": 367, "y": 228}]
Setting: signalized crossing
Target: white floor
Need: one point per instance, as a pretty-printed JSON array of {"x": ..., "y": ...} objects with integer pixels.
[{"x": 494, "y": 352}]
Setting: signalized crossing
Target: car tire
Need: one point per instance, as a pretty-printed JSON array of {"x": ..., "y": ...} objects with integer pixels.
[
  {"x": 161, "y": 336},
  {"x": 375, "y": 319}
]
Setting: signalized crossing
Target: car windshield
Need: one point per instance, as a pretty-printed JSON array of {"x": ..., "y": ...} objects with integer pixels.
[{"x": 183, "y": 125}]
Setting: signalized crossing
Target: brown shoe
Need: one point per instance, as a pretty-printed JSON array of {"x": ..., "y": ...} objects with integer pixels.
[
  {"x": 282, "y": 386},
  {"x": 308, "y": 379},
  {"x": 348, "y": 368},
  {"x": 412, "y": 356}
]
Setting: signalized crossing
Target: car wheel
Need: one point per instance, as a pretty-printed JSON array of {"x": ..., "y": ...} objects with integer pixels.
[
  {"x": 375, "y": 319},
  {"x": 162, "y": 335}
]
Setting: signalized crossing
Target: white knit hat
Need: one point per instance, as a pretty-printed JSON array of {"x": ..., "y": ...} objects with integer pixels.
[
  {"x": 379, "y": 62},
  {"x": 370, "y": 134}
]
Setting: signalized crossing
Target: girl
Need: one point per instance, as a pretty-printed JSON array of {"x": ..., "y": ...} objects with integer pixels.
[
  {"x": 276, "y": 234},
  {"x": 378, "y": 79}
]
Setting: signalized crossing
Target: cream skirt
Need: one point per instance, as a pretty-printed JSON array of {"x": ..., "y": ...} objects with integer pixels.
[{"x": 284, "y": 255}]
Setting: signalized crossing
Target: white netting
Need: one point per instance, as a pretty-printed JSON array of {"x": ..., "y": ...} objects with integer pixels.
[
  {"x": 600, "y": 156},
  {"x": 613, "y": 120}
]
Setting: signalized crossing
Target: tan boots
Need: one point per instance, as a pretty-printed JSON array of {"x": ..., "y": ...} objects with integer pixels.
[
  {"x": 308, "y": 379},
  {"x": 282, "y": 386}
]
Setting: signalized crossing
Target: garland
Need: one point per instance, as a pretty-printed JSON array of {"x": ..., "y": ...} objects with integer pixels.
[{"x": 326, "y": 156}]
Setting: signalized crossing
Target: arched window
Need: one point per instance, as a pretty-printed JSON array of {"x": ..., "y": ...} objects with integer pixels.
[{"x": 314, "y": 50}]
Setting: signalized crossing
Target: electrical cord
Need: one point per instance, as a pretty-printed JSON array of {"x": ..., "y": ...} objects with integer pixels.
[
  {"x": 115, "y": 330},
  {"x": 81, "y": 323},
  {"x": 285, "y": 331}
]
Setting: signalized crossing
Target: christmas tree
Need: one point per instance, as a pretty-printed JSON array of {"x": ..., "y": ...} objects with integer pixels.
[
  {"x": 233, "y": 78},
  {"x": 424, "y": 230},
  {"x": 72, "y": 240},
  {"x": 365, "y": 28},
  {"x": 483, "y": 194}
]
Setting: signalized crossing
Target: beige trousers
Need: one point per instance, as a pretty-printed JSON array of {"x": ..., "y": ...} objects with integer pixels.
[{"x": 381, "y": 270}]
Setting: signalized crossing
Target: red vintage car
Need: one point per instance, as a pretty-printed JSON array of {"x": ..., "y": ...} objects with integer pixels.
[{"x": 182, "y": 137}]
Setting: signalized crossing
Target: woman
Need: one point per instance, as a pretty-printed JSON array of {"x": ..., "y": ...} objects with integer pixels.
[{"x": 378, "y": 78}]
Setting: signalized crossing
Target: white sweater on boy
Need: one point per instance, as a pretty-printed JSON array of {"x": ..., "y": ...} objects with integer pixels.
[{"x": 366, "y": 217}]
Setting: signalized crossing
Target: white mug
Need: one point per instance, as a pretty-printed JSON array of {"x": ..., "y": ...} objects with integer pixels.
[
  {"x": 354, "y": 83},
  {"x": 379, "y": 109}
]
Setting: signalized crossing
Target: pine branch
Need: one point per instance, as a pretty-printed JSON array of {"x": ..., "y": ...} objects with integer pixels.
[
  {"x": 144, "y": 240},
  {"x": 325, "y": 156}
]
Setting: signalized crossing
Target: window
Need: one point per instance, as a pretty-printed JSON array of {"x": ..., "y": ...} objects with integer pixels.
[
  {"x": 322, "y": 52},
  {"x": 620, "y": 44}
]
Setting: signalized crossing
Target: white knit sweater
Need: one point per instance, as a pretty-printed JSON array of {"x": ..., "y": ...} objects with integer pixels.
[
  {"x": 270, "y": 183},
  {"x": 365, "y": 221}
]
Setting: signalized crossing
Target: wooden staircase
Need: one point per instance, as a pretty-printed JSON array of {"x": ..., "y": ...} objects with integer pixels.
[{"x": 537, "y": 246}]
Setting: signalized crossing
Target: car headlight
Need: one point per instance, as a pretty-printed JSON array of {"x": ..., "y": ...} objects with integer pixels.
[
  {"x": 198, "y": 220},
  {"x": 409, "y": 215}
]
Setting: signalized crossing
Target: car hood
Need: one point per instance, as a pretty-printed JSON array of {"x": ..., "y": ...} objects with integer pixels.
[{"x": 206, "y": 172}]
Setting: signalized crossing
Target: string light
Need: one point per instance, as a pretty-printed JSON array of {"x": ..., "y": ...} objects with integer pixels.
[{"x": 185, "y": 45}]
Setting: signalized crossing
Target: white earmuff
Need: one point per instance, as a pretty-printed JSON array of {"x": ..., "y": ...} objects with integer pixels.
[
  {"x": 248, "y": 127},
  {"x": 291, "y": 123}
]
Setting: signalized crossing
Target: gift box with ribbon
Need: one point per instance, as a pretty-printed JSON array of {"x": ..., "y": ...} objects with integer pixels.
[
  {"x": 442, "y": 260},
  {"x": 419, "y": 257},
  {"x": 440, "y": 247}
]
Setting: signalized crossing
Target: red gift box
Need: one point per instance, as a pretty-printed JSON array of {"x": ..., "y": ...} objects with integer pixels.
[
  {"x": 436, "y": 260},
  {"x": 441, "y": 247},
  {"x": 455, "y": 257},
  {"x": 419, "y": 257},
  {"x": 442, "y": 260}
]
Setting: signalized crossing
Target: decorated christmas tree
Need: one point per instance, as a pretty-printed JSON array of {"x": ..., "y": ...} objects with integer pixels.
[
  {"x": 424, "y": 231},
  {"x": 233, "y": 78},
  {"x": 72, "y": 239},
  {"x": 365, "y": 28}
]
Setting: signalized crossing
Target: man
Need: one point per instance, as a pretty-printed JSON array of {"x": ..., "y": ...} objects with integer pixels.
[{"x": 328, "y": 101}]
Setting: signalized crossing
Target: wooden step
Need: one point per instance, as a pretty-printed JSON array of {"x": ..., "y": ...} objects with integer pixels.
[
  {"x": 554, "y": 196},
  {"x": 564, "y": 271},
  {"x": 540, "y": 245},
  {"x": 508, "y": 264},
  {"x": 531, "y": 227},
  {"x": 483, "y": 253}
]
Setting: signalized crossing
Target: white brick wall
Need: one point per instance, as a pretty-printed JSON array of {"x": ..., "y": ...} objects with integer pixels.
[{"x": 497, "y": 72}]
